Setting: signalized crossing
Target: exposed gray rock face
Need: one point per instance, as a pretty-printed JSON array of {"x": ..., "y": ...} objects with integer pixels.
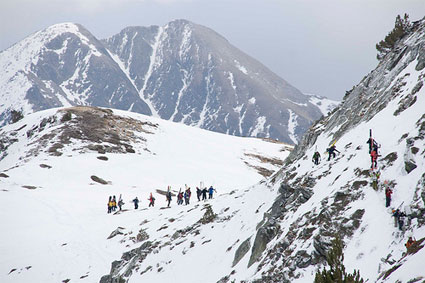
[
  {"x": 122, "y": 269},
  {"x": 181, "y": 72},
  {"x": 288, "y": 199},
  {"x": 242, "y": 251}
]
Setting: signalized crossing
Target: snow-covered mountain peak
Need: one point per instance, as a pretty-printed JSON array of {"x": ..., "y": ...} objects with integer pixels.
[{"x": 181, "y": 71}]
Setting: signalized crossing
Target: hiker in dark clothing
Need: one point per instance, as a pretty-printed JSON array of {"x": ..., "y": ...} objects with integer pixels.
[
  {"x": 114, "y": 203},
  {"x": 168, "y": 197},
  {"x": 210, "y": 192},
  {"x": 396, "y": 214},
  {"x": 401, "y": 220},
  {"x": 136, "y": 203},
  {"x": 198, "y": 193},
  {"x": 204, "y": 193},
  {"x": 186, "y": 198},
  {"x": 179, "y": 198},
  {"x": 388, "y": 193},
  {"x": 110, "y": 204},
  {"x": 120, "y": 203},
  {"x": 331, "y": 152},
  {"x": 372, "y": 145},
  {"x": 316, "y": 158},
  {"x": 151, "y": 201}
]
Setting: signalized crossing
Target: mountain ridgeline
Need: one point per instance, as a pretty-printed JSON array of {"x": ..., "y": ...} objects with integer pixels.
[{"x": 181, "y": 72}]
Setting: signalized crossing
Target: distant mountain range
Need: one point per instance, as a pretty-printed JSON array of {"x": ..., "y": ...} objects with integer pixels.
[{"x": 181, "y": 72}]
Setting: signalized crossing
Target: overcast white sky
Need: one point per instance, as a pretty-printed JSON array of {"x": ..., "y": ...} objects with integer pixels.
[{"x": 319, "y": 46}]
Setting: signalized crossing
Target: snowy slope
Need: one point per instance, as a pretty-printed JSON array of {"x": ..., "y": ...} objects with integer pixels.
[
  {"x": 56, "y": 227},
  {"x": 335, "y": 198}
]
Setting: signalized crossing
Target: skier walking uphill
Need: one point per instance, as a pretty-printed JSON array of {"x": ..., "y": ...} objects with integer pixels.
[
  {"x": 110, "y": 205},
  {"x": 204, "y": 193},
  {"x": 120, "y": 203},
  {"x": 210, "y": 192},
  {"x": 374, "y": 158},
  {"x": 375, "y": 179},
  {"x": 179, "y": 198},
  {"x": 401, "y": 220},
  {"x": 114, "y": 203},
  {"x": 388, "y": 193},
  {"x": 151, "y": 201},
  {"x": 316, "y": 158},
  {"x": 168, "y": 196},
  {"x": 331, "y": 151},
  {"x": 198, "y": 193},
  {"x": 136, "y": 203},
  {"x": 372, "y": 145}
]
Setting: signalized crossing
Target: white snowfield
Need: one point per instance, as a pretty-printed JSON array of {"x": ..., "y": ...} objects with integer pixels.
[{"x": 57, "y": 228}]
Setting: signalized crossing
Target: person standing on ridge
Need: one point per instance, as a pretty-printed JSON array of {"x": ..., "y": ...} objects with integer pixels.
[
  {"x": 168, "y": 196},
  {"x": 204, "y": 193},
  {"x": 210, "y": 192},
  {"x": 388, "y": 193},
  {"x": 110, "y": 204},
  {"x": 114, "y": 203},
  {"x": 151, "y": 201},
  {"x": 198, "y": 193},
  {"x": 120, "y": 203},
  {"x": 372, "y": 145},
  {"x": 316, "y": 158},
  {"x": 136, "y": 203}
]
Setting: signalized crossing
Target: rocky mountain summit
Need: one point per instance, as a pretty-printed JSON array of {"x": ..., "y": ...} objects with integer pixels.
[{"x": 181, "y": 72}]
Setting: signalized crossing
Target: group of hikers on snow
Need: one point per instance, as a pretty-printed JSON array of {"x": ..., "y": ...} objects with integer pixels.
[
  {"x": 331, "y": 150},
  {"x": 112, "y": 203},
  {"x": 181, "y": 196},
  {"x": 375, "y": 173}
]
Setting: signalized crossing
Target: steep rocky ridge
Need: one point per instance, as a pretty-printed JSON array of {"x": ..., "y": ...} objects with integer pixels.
[{"x": 390, "y": 100}]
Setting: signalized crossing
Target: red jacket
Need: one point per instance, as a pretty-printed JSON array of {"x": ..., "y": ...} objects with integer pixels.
[{"x": 388, "y": 192}]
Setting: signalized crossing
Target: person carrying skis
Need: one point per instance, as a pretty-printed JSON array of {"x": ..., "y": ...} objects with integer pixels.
[
  {"x": 374, "y": 158},
  {"x": 180, "y": 198},
  {"x": 204, "y": 193},
  {"x": 372, "y": 145},
  {"x": 136, "y": 203},
  {"x": 388, "y": 193},
  {"x": 410, "y": 242},
  {"x": 114, "y": 203},
  {"x": 120, "y": 203},
  {"x": 110, "y": 204},
  {"x": 401, "y": 220},
  {"x": 331, "y": 152},
  {"x": 168, "y": 196},
  {"x": 316, "y": 158},
  {"x": 186, "y": 197},
  {"x": 151, "y": 201},
  {"x": 396, "y": 214},
  {"x": 198, "y": 193},
  {"x": 210, "y": 192},
  {"x": 375, "y": 179}
]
